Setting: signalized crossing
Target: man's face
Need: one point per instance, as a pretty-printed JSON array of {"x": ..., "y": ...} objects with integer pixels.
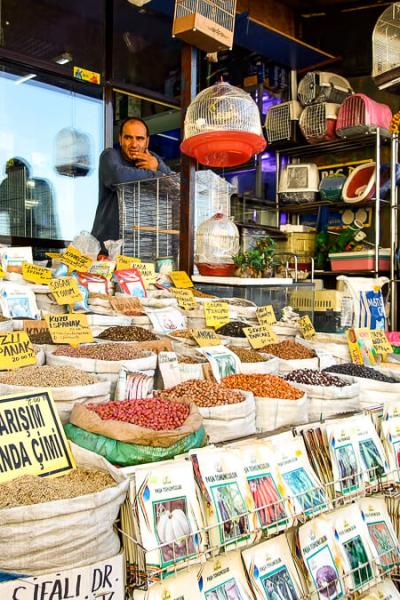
[{"x": 133, "y": 139}]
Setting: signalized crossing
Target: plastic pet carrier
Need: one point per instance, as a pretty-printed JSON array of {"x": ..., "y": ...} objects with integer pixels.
[
  {"x": 360, "y": 114},
  {"x": 320, "y": 86},
  {"x": 361, "y": 183},
  {"x": 299, "y": 183},
  {"x": 386, "y": 48},
  {"x": 282, "y": 123},
  {"x": 331, "y": 187},
  {"x": 318, "y": 122}
]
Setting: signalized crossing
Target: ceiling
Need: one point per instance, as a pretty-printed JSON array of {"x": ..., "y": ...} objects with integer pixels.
[{"x": 306, "y": 6}]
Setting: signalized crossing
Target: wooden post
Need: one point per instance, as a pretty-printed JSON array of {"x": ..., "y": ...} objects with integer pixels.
[{"x": 188, "y": 165}]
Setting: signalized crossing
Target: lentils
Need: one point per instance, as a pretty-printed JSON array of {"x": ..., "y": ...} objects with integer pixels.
[
  {"x": 313, "y": 377},
  {"x": 233, "y": 329},
  {"x": 29, "y": 489},
  {"x": 361, "y": 371},
  {"x": 41, "y": 336},
  {"x": 289, "y": 350},
  {"x": 263, "y": 386},
  {"x": 129, "y": 333},
  {"x": 202, "y": 393},
  {"x": 102, "y": 352},
  {"x": 47, "y": 376},
  {"x": 247, "y": 356},
  {"x": 150, "y": 413}
]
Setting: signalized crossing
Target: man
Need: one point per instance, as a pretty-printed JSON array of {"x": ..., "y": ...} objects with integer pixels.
[{"x": 131, "y": 162}]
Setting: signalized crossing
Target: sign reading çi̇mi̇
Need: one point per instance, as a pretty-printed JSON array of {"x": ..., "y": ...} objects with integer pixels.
[{"x": 32, "y": 440}]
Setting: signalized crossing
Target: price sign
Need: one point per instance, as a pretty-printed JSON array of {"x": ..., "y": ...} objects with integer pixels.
[
  {"x": 16, "y": 350},
  {"x": 260, "y": 336},
  {"x": 307, "y": 328},
  {"x": 216, "y": 314},
  {"x": 2, "y": 274},
  {"x": 206, "y": 337},
  {"x": 32, "y": 326},
  {"x": 65, "y": 290},
  {"x": 380, "y": 342},
  {"x": 36, "y": 274},
  {"x": 126, "y": 306},
  {"x": 184, "y": 298},
  {"x": 180, "y": 279},
  {"x": 354, "y": 348},
  {"x": 266, "y": 315},
  {"x": 126, "y": 262},
  {"x": 75, "y": 260},
  {"x": 69, "y": 329},
  {"x": 148, "y": 274}
]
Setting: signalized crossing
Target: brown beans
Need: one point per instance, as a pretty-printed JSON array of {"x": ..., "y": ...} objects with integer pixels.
[
  {"x": 247, "y": 356},
  {"x": 47, "y": 376},
  {"x": 103, "y": 352},
  {"x": 127, "y": 333},
  {"x": 183, "y": 333},
  {"x": 263, "y": 386},
  {"x": 202, "y": 393},
  {"x": 41, "y": 336},
  {"x": 289, "y": 350}
]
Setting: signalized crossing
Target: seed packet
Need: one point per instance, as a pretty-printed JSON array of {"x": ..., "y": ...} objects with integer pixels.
[
  {"x": 373, "y": 459},
  {"x": 95, "y": 284},
  {"x": 386, "y": 590},
  {"x": 165, "y": 320},
  {"x": 168, "y": 514},
  {"x": 346, "y": 461},
  {"x": 103, "y": 268},
  {"x": 18, "y": 301},
  {"x": 223, "y": 361},
  {"x": 226, "y": 497},
  {"x": 12, "y": 258},
  {"x": 133, "y": 386},
  {"x": 305, "y": 491},
  {"x": 272, "y": 571},
  {"x": 391, "y": 440},
  {"x": 381, "y": 531},
  {"x": 130, "y": 282},
  {"x": 183, "y": 586},
  {"x": 224, "y": 578}
]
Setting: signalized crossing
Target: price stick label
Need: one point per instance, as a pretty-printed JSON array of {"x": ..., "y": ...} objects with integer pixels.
[
  {"x": 126, "y": 262},
  {"x": 260, "y": 336},
  {"x": 16, "y": 350},
  {"x": 75, "y": 260},
  {"x": 307, "y": 328},
  {"x": 354, "y": 348},
  {"x": 70, "y": 329},
  {"x": 380, "y": 342},
  {"x": 184, "y": 298},
  {"x": 65, "y": 290},
  {"x": 2, "y": 274},
  {"x": 36, "y": 274},
  {"x": 180, "y": 279},
  {"x": 206, "y": 337},
  {"x": 148, "y": 273},
  {"x": 216, "y": 314},
  {"x": 266, "y": 315}
]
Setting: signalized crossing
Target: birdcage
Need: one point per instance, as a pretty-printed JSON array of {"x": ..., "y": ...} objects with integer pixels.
[
  {"x": 386, "y": 48},
  {"x": 149, "y": 217},
  {"x": 320, "y": 86},
  {"x": 359, "y": 114},
  {"x": 216, "y": 242},
  {"x": 206, "y": 24},
  {"x": 212, "y": 194},
  {"x": 73, "y": 153},
  {"x": 318, "y": 122},
  {"x": 223, "y": 127},
  {"x": 282, "y": 123}
]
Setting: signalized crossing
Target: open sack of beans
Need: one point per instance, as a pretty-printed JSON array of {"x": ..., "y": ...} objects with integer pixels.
[
  {"x": 255, "y": 362},
  {"x": 227, "y": 414},
  {"x": 68, "y": 386},
  {"x": 130, "y": 432},
  {"x": 376, "y": 386},
  {"x": 332, "y": 344},
  {"x": 327, "y": 394},
  {"x": 292, "y": 355},
  {"x": 64, "y": 522},
  {"x": 278, "y": 404},
  {"x": 232, "y": 333}
]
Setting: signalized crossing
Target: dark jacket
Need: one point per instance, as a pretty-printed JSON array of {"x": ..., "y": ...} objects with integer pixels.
[{"x": 115, "y": 169}]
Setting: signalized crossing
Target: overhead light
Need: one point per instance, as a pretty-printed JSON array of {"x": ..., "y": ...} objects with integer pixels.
[
  {"x": 25, "y": 78},
  {"x": 138, "y": 2},
  {"x": 169, "y": 137},
  {"x": 63, "y": 59}
]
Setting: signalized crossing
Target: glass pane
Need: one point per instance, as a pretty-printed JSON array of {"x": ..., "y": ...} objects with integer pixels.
[{"x": 50, "y": 142}]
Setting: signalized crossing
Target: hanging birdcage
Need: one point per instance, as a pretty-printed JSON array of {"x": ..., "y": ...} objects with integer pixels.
[
  {"x": 386, "y": 48},
  {"x": 217, "y": 241},
  {"x": 206, "y": 24},
  {"x": 321, "y": 86},
  {"x": 360, "y": 114},
  {"x": 223, "y": 127},
  {"x": 318, "y": 122},
  {"x": 282, "y": 123}
]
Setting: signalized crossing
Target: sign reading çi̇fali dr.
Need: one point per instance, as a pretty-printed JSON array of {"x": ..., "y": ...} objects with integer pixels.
[{"x": 32, "y": 439}]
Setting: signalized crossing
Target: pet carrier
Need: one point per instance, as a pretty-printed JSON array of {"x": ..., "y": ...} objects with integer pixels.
[
  {"x": 217, "y": 241},
  {"x": 359, "y": 114},
  {"x": 386, "y": 48},
  {"x": 360, "y": 184},
  {"x": 320, "y": 86},
  {"x": 331, "y": 187},
  {"x": 299, "y": 183},
  {"x": 318, "y": 122},
  {"x": 206, "y": 24},
  {"x": 282, "y": 123},
  {"x": 223, "y": 127}
]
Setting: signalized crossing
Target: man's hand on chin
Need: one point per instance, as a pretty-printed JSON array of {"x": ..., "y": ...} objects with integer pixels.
[{"x": 145, "y": 160}]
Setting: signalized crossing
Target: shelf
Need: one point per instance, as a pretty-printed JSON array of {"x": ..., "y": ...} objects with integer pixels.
[
  {"x": 358, "y": 142},
  {"x": 337, "y": 273},
  {"x": 310, "y": 207},
  {"x": 244, "y": 281},
  {"x": 271, "y": 231}
]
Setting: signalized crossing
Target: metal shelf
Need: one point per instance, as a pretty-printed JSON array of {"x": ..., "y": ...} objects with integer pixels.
[
  {"x": 310, "y": 207},
  {"x": 358, "y": 142},
  {"x": 336, "y": 273},
  {"x": 274, "y": 232}
]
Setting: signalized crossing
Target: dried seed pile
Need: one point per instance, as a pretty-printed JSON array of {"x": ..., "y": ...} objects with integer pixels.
[
  {"x": 128, "y": 333},
  {"x": 289, "y": 350},
  {"x": 41, "y": 336},
  {"x": 248, "y": 356},
  {"x": 360, "y": 371},
  {"x": 29, "y": 489},
  {"x": 263, "y": 386},
  {"x": 233, "y": 329},
  {"x": 314, "y": 377},
  {"x": 183, "y": 333},
  {"x": 103, "y": 352},
  {"x": 149, "y": 413},
  {"x": 199, "y": 294},
  {"x": 47, "y": 376},
  {"x": 202, "y": 393},
  {"x": 190, "y": 360}
]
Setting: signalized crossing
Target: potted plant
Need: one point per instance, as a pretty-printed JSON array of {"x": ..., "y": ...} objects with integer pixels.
[{"x": 256, "y": 262}]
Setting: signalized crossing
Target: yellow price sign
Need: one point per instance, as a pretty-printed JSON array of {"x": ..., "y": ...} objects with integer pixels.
[
  {"x": 148, "y": 273},
  {"x": 307, "y": 328},
  {"x": 206, "y": 337},
  {"x": 75, "y": 260},
  {"x": 2, "y": 274},
  {"x": 180, "y": 279},
  {"x": 126, "y": 262},
  {"x": 216, "y": 314},
  {"x": 380, "y": 342},
  {"x": 184, "y": 298},
  {"x": 16, "y": 350},
  {"x": 65, "y": 290},
  {"x": 36, "y": 274},
  {"x": 69, "y": 329},
  {"x": 266, "y": 315},
  {"x": 260, "y": 336}
]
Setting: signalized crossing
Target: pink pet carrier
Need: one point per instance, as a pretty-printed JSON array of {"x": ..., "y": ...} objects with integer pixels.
[{"x": 359, "y": 114}]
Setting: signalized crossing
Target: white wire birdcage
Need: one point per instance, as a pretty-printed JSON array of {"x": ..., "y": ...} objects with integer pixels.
[
  {"x": 217, "y": 240},
  {"x": 318, "y": 122},
  {"x": 386, "y": 47},
  {"x": 281, "y": 122}
]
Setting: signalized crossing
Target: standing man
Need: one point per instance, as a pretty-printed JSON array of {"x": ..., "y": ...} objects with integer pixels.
[{"x": 131, "y": 162}]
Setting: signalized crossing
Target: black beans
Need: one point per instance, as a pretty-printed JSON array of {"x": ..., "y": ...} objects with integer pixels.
[
  {"x": 233, "y": 329},
  {"x": 360, "y": 371},
  {"x": 313, "y": 377}
]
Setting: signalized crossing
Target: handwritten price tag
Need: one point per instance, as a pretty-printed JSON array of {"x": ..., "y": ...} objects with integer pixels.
[
  {"x": 16, "y": 351},
  {"x": 307, "y": 328},
  {"x": 36, "y": 274},
  {"x": 180, "y": 279},
  {"x": 216, "y": 314},
  {"x": 148, "y": 274},
  {"x": 184, "y": 298},
  {"x": 65, "y": 290},
  {"x": 260, "y": 336},
  {"x": 69, "y": 329},
  {"x": 380, "y": 342},
  {"x": 75, "y": 260},
  {"x": 206, "y": 337},
  {"x": 126, "y": 262},
  {"x": 266, "y": 315}
]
